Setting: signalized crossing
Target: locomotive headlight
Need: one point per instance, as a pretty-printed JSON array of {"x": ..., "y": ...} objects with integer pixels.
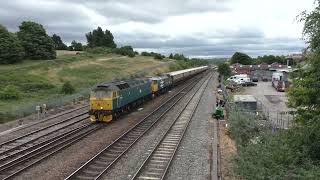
[{"x": 101, "y": 107}]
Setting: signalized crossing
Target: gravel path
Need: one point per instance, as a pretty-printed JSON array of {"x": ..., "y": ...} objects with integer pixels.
[
  {"x": 194, "y": 159},
  {"x": 129, "y": 164},
  {"x": 62, "y": 164}
]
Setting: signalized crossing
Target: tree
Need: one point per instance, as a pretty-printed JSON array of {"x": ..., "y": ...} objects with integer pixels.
[
  {"x": 76, "y": 46},
  {"x": 36, "y": 42},
  {"x": 98, "y": 38},
  {"x": 171, "y": 56},
  {"x": 58, "y": 44},
  {"x": 11, "y": 50},
  {"x": 241, "y": 58},
  {"x": 224, "y": 69},
  {"x": 304, "y": 95},
  {"x": 179, "y": 57}
]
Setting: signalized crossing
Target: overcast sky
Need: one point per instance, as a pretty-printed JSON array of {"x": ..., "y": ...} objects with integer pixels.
[{"x": 203, "y": 28}]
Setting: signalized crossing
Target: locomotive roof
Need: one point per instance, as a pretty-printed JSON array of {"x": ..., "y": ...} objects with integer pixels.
[{"x": 119, "y": 85}]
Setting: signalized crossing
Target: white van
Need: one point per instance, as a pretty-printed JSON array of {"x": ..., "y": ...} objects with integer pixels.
[
  {"x": 240, "y": 78},
  {"x": 277, "y": 76}
]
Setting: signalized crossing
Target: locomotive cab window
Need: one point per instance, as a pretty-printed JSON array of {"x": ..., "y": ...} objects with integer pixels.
[{"x": 100, "y": 94}]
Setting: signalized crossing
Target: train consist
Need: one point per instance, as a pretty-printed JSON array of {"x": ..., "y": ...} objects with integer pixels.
[{"x": 108, "y": 101}]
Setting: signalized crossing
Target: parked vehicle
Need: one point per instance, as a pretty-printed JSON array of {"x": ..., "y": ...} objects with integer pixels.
[
  {"x": 280, "y": 86},
  {"x": 265, "y": 79},
  {"x": 255, "y": 79},
  {"x": 249, "y": 84},
  {"x": 277, "y": 76},
  {"x": 239, "y": 79}
]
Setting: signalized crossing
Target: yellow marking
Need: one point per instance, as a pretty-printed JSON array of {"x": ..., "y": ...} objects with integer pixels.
[{"x": 154, "y": 87}]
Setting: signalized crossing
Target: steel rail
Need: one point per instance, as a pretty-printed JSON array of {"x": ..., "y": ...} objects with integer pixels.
[{"x": 158, "y": 161}]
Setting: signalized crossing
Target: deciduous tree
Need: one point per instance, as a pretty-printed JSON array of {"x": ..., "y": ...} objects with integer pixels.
[
  {"x": 36, "y": 42},
  {"x": 98, "y": 38},
  {"x": 58, "y": 44},
  {"x": 241, "y": 58},
  {"x": 11, "y": 50}
]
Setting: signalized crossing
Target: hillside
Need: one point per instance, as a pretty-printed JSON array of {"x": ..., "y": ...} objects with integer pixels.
[{"x": 41, "y": 81}]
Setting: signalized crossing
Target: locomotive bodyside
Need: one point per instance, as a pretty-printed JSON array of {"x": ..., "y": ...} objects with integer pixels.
[{"x": 108, "y": 101}]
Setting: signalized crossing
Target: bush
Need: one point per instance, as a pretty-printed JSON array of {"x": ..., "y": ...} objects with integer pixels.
[
  {"x": 10, "y": 92},
  {"x": 99, "y": 50},
  {"x": 158, "y": 56},
  {"x": 11, "y": 50},
  {"x": 125, "y": 51},
  {"x": 67, "y": 88},
  {"x": 263, "y": 154},
  {"x": 35, "y": 86}
]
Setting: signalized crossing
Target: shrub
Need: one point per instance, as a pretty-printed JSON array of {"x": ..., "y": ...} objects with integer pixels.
[
  {"x": 10, "y": 92},
  {"x": 67, "y": 88},
  {"x": 125, "y": 51},
  {"x": 158, "y": 56},
  {"x": 99, "y": 50},
  {"x": 36, "y": 86}
]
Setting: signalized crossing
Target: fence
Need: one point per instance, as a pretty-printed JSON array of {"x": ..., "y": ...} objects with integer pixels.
[
  {"x": 52, "y": 102},
  {"x": 276, "y": 119}
]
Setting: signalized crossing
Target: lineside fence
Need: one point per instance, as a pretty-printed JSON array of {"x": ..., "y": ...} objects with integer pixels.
[{"x": 273, "y": 119}]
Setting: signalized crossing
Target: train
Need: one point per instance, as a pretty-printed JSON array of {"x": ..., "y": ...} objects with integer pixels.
[{"x": 109, "y": 101}]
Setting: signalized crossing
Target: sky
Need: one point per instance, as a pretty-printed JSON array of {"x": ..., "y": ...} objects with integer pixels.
[{"x": 196, "y": 28}]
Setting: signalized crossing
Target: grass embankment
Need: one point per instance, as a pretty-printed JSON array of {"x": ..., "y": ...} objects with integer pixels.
[{"x": 41, "y": 81}]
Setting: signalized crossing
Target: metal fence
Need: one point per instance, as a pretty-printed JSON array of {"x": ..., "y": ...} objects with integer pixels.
[
  {"x": 276, "y": 119},
  {"x": 52, "y": 102}
]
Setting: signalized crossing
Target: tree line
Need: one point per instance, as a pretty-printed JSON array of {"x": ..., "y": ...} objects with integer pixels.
[
  {"x": 33, "y": 42},
  {"x": 242, "y": 58}
]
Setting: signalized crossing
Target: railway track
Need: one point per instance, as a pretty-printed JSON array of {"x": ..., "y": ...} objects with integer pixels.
[
  {"x": 20, "y": 142},
  {"x": 22, "y": 152},
  {"x": 104, "y": 160},
  {"x": 82, "y": 108},
  {"x": 16, "y": 162},
  {"x": 159, "y": 160}
]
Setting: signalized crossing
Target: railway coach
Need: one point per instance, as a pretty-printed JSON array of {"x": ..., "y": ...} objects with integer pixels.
[{"x": 178, "y": 76}]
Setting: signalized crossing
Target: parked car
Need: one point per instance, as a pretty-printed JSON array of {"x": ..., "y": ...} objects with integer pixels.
[
  {"x": 255, "y": 79},
  {"x": 264, "y": 78},
  {"x": 249, "y": 84}
]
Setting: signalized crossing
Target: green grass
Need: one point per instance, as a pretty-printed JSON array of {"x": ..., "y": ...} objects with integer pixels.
[{"x": 41, "y": 81}]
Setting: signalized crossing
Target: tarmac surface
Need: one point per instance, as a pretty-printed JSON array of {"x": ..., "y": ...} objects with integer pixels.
[{"x": 272, "y": 102}]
